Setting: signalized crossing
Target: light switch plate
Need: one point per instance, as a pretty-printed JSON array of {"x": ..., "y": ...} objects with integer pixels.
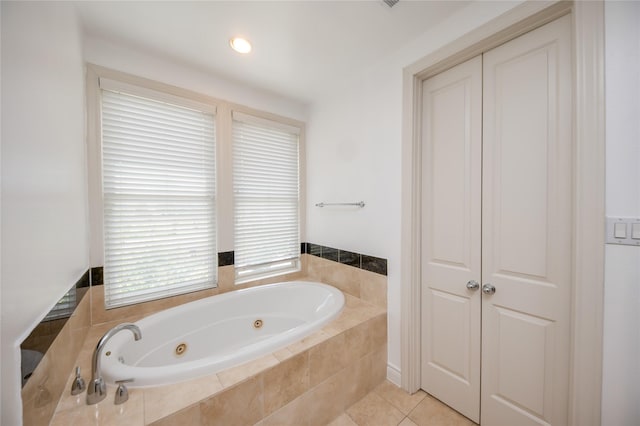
[{"x": 622, "y": 230}]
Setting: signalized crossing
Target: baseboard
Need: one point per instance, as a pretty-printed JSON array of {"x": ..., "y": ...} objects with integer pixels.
[{"x": 393, "y": 375}]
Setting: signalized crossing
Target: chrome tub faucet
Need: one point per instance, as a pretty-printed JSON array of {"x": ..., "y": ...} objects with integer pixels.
[{"x": 97, "y": 389}]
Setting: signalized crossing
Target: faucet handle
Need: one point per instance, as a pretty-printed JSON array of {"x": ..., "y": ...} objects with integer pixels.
[
  {"x": 122, "y": 394},
  {"x": 78, "y": 385}
]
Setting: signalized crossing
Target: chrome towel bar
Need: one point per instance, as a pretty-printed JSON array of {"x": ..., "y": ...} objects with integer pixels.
[{"x": 359, "y": 204}]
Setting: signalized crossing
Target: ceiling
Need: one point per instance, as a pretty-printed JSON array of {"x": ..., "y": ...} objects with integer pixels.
[{"x": 300, "y": 48}]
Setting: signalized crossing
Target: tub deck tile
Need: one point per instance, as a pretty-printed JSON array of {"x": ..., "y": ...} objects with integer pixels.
[
  {"x": 327, "y": 358},
  {"x": 282, "y": 354},
  {"x": 285, "y": 382},
  {"x": 294, "y": 413},
  {"x": 327, "y": 400},
  {"x": 105, "y": 412},
  {"x": 161, "y": 401},
  {"x": 233, "y": 375},
  {"x": 308, "y": 342},
  {"x": 189, "y": 416},
  {"x": 354, "y": 313},
  {"x": 240, "y": 405}
]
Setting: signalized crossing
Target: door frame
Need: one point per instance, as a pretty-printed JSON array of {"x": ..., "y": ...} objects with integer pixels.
[{"x": 585, "y": 386}]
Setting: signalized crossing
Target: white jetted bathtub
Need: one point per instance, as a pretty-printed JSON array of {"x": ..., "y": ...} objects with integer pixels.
[{"x": 218, "y": 332}]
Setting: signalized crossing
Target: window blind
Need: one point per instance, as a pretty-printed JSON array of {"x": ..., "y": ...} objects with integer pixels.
[
  {"x": 266, "y": 193},
  {"x": 65, "y": 306},
  {"x": 158, "y": 167}
]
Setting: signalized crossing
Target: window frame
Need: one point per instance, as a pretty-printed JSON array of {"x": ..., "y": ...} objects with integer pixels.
[{"x": 224, "y": 160}]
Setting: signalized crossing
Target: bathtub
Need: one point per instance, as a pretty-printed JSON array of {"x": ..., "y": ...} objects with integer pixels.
[{"x": 218, "y": 332}]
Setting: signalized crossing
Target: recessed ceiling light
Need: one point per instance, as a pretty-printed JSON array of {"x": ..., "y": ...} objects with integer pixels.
[{"x": 240, "y": 45}]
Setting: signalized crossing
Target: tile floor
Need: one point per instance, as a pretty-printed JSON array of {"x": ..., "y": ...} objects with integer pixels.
[{"x": 388, "y": 405}]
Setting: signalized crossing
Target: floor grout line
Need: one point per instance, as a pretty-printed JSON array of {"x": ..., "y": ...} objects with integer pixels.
[{"x": 424, "y": 410}]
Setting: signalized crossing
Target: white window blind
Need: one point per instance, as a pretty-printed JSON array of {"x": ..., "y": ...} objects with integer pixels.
[
  {"x": 158, "y": 168},
  {"x": 266, "y": 193},
  {"x": 65, "y": 306}
]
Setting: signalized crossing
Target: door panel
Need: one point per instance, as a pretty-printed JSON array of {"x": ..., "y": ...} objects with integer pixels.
[
  {"x": 455, "y": 311},
  {"x": 514, "y": 353},
  {"x": 522, "y": 202},
  {"x": 451, "y": 164},
  {"x": 526, "y": 235}
]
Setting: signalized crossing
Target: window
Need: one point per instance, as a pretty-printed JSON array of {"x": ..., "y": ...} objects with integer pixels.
[
  {"x": 266, "y": 197},
  {"x": 159, "y": 194},
  {"x": 175, "y": 176}
]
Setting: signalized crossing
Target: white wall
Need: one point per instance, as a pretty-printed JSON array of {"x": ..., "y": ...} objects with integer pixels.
[
  {"x": 354, "y": 153},
  {"x": 621, "y": 370},
  {"x": 44, "y": 206}
]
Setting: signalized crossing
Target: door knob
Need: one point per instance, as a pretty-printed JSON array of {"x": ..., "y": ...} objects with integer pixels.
[
  {"x": 473, "y": 285},
  {"x": 488, "y": 289}
]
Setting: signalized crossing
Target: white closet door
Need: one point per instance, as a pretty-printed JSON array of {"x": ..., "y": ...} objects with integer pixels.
[
  {"x": 451, "y": 168},
  {"x": 527, "y": 228}
]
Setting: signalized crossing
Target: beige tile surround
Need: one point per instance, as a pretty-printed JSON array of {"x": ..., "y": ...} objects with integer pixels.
[
  {"x": 312, "y": 381},
  {"x": 309, "y": 382},
  {"x": 46, "y": 385}
]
